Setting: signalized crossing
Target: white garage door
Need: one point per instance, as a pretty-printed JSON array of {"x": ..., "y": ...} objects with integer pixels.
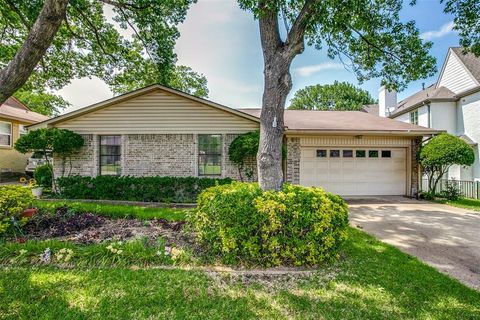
[{"x": 355, "y": 171}]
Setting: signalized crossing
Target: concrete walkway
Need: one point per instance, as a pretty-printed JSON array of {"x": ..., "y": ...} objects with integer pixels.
[{"x": 444, "y": 237}]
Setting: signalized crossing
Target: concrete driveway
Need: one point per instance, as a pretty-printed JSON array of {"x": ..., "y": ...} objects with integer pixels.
[{"x": 444, "y": 237}]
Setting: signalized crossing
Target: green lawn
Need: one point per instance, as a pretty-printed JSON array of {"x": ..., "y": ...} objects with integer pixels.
[
  {"x": 470, "y": 204},
  {"x": 372, "y": 280},
  {"x": 116, "y": 211}
]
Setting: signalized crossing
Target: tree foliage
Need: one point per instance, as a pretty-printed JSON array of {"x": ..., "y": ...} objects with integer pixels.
[
  {"x": 61, "y": 142},
  {"x": 242, "y": 152},
  {"x": 466, "y": 21},
  {"x": 340, "y": 96},
  {"x": 89, "y": 43},
  {"x": 440, "y": 153}
]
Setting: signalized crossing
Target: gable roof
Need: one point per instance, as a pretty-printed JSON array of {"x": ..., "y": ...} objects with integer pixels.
[
  {"x": 371, "y": 108},
  {"x": 431, "y": 93},
  {"x": 137, "y": 93},
  {"x": 470, "y": 61},
  {"x": 15, "y": 110},
  {"x": 344, "y": 121}
]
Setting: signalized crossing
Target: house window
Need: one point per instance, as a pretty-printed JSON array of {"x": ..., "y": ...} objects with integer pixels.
[
  {"x": 373, "y": 153},
  {"x": 209, "y": 154},
  {"x": 386, "y": 154},
  {"x": 5, "y": 134},
  {"x": 110, "y": 155},
  {"x": 334, "y": 153},
  {"x": 347, "y": 153},
  {"x": 321, "y": 153},
  {"x": 360, "y": 153},
  {"x": 414, "y": 117}
]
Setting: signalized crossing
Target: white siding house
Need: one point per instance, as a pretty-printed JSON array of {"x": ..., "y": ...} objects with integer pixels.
[{"x": 451, "y": 104}]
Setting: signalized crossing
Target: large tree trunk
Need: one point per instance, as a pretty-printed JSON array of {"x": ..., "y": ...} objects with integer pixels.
[
  {"x": 269, "y": 159},
  {"x": 278, "y": 56},
  {"x": 17, "y": 72}
]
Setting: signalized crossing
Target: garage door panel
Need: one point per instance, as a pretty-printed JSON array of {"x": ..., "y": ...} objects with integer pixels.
[{"x": 382, "y": 175}]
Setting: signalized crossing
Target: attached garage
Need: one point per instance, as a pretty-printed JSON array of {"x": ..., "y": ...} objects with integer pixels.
[{"x": 355, "y": 171}]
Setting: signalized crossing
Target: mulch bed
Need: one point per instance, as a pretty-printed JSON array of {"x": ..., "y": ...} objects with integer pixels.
[{"x": 88, "y": 228}]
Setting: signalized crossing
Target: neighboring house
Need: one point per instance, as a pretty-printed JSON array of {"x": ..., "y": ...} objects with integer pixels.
[
  {"x": 451, "y": 104},
  {"x": 14, "y": 118},
  {"x": 158, "y": 131}
]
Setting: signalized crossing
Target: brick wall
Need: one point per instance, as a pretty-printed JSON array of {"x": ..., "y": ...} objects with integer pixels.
[
  {"x": 84, "y": 162},
  {"x": 159, "y": 155},
  {"x": 293, "y": 161}
]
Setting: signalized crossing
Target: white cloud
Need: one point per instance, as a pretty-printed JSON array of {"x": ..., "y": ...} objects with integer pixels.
[
  {"x": 309, "y": 70},
  {"x": 444, "y": 30}
]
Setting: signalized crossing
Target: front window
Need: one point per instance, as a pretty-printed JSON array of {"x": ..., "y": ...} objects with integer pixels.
[
  {"x": 5, "y": 134},
  {"x": 414, "y": 117},
  {"x": 209, "y": 154},
  {"x": 110, "y": 155}
]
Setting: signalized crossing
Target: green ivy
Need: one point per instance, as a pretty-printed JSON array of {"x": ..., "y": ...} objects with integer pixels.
[{"x": 128, "y": 188}]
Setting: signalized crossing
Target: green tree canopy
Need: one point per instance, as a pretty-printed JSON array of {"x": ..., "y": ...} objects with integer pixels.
[
  {"x": 88, "y": 43},
  {"x": 340, "y": 96},
  {"x": 61, "y": 142},
  {"x": 440, "y": 153}
]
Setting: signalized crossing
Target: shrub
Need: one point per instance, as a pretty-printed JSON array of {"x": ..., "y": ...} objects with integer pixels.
[
  {"x": 43, "y": 175},
  {"x": 241, "y": 224},
  {"x": 13, "y": 200},
  {"x": 426, "y": 195},
  {"x": 451, "y": 191},
  {"x": 440, "y": 153},
  {"x": 147, "y": 189}
]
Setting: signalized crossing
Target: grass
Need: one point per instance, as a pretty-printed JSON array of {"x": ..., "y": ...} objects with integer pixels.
[
  {"x": 116, "y": 211},
  {"x": 470, "y": 204},
  {"x": 372, "y": 280},
  {"x": 139, "y": 252}
]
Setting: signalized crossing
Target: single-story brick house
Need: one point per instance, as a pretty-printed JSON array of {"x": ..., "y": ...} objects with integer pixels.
[{"x": 158, "y": 131}]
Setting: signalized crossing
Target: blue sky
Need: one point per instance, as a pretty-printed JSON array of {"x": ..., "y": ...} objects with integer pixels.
[{"x": 222, "y": 42}]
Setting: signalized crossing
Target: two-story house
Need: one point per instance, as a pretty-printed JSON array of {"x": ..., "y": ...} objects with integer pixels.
[
  {"x": 451, "y": 104},
  {"x": 14, "y": 118}
]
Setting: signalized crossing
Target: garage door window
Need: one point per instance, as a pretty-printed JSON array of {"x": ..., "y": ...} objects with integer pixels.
[
  {"x": 360, "y": 153},
  {"x": 386, "y": 154},
  {"x": 334, "y": 153},
  {"x": 347, "y": 153},
  {"x": 373, "y": 153},
  {"x": 321, "y": 153}
]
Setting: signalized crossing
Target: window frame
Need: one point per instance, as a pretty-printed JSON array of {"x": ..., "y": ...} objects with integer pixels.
[
  {"x": 414, "y": 117},
  {"x": 207, "y": 155},
  {"x": 10, "y": 135},
  {"x": 100, "y": 155}
]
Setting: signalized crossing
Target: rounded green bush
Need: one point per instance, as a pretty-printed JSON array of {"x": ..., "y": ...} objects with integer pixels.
[
  {"x": 13, "y": 200},
  {"x": 43, "y": 175},
  {"x": 296, "y": 226}
]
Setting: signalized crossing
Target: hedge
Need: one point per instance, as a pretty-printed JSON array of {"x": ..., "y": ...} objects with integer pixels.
[
  {"x": 240, "y": 224},
  {"x": 128, "y": 188}
]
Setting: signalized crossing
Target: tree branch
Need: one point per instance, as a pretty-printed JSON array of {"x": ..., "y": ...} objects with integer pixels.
[
  {"x": 136, "y": 32},
  {"x": 24, "y": 21},
  {"x": 95, "y": 31},
  {"x": 376, "y": 47},
  {"x": 269, "y": 31},
  {"x": 295, "y": 38},
  {"x": 125, "y": 5},
  {"x": 41, "y": 35}
]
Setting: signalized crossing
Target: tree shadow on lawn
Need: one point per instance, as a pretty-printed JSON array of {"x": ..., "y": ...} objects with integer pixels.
[
  {"x": 47, "y": 293},
  {"x": 377, "y": 281}
]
